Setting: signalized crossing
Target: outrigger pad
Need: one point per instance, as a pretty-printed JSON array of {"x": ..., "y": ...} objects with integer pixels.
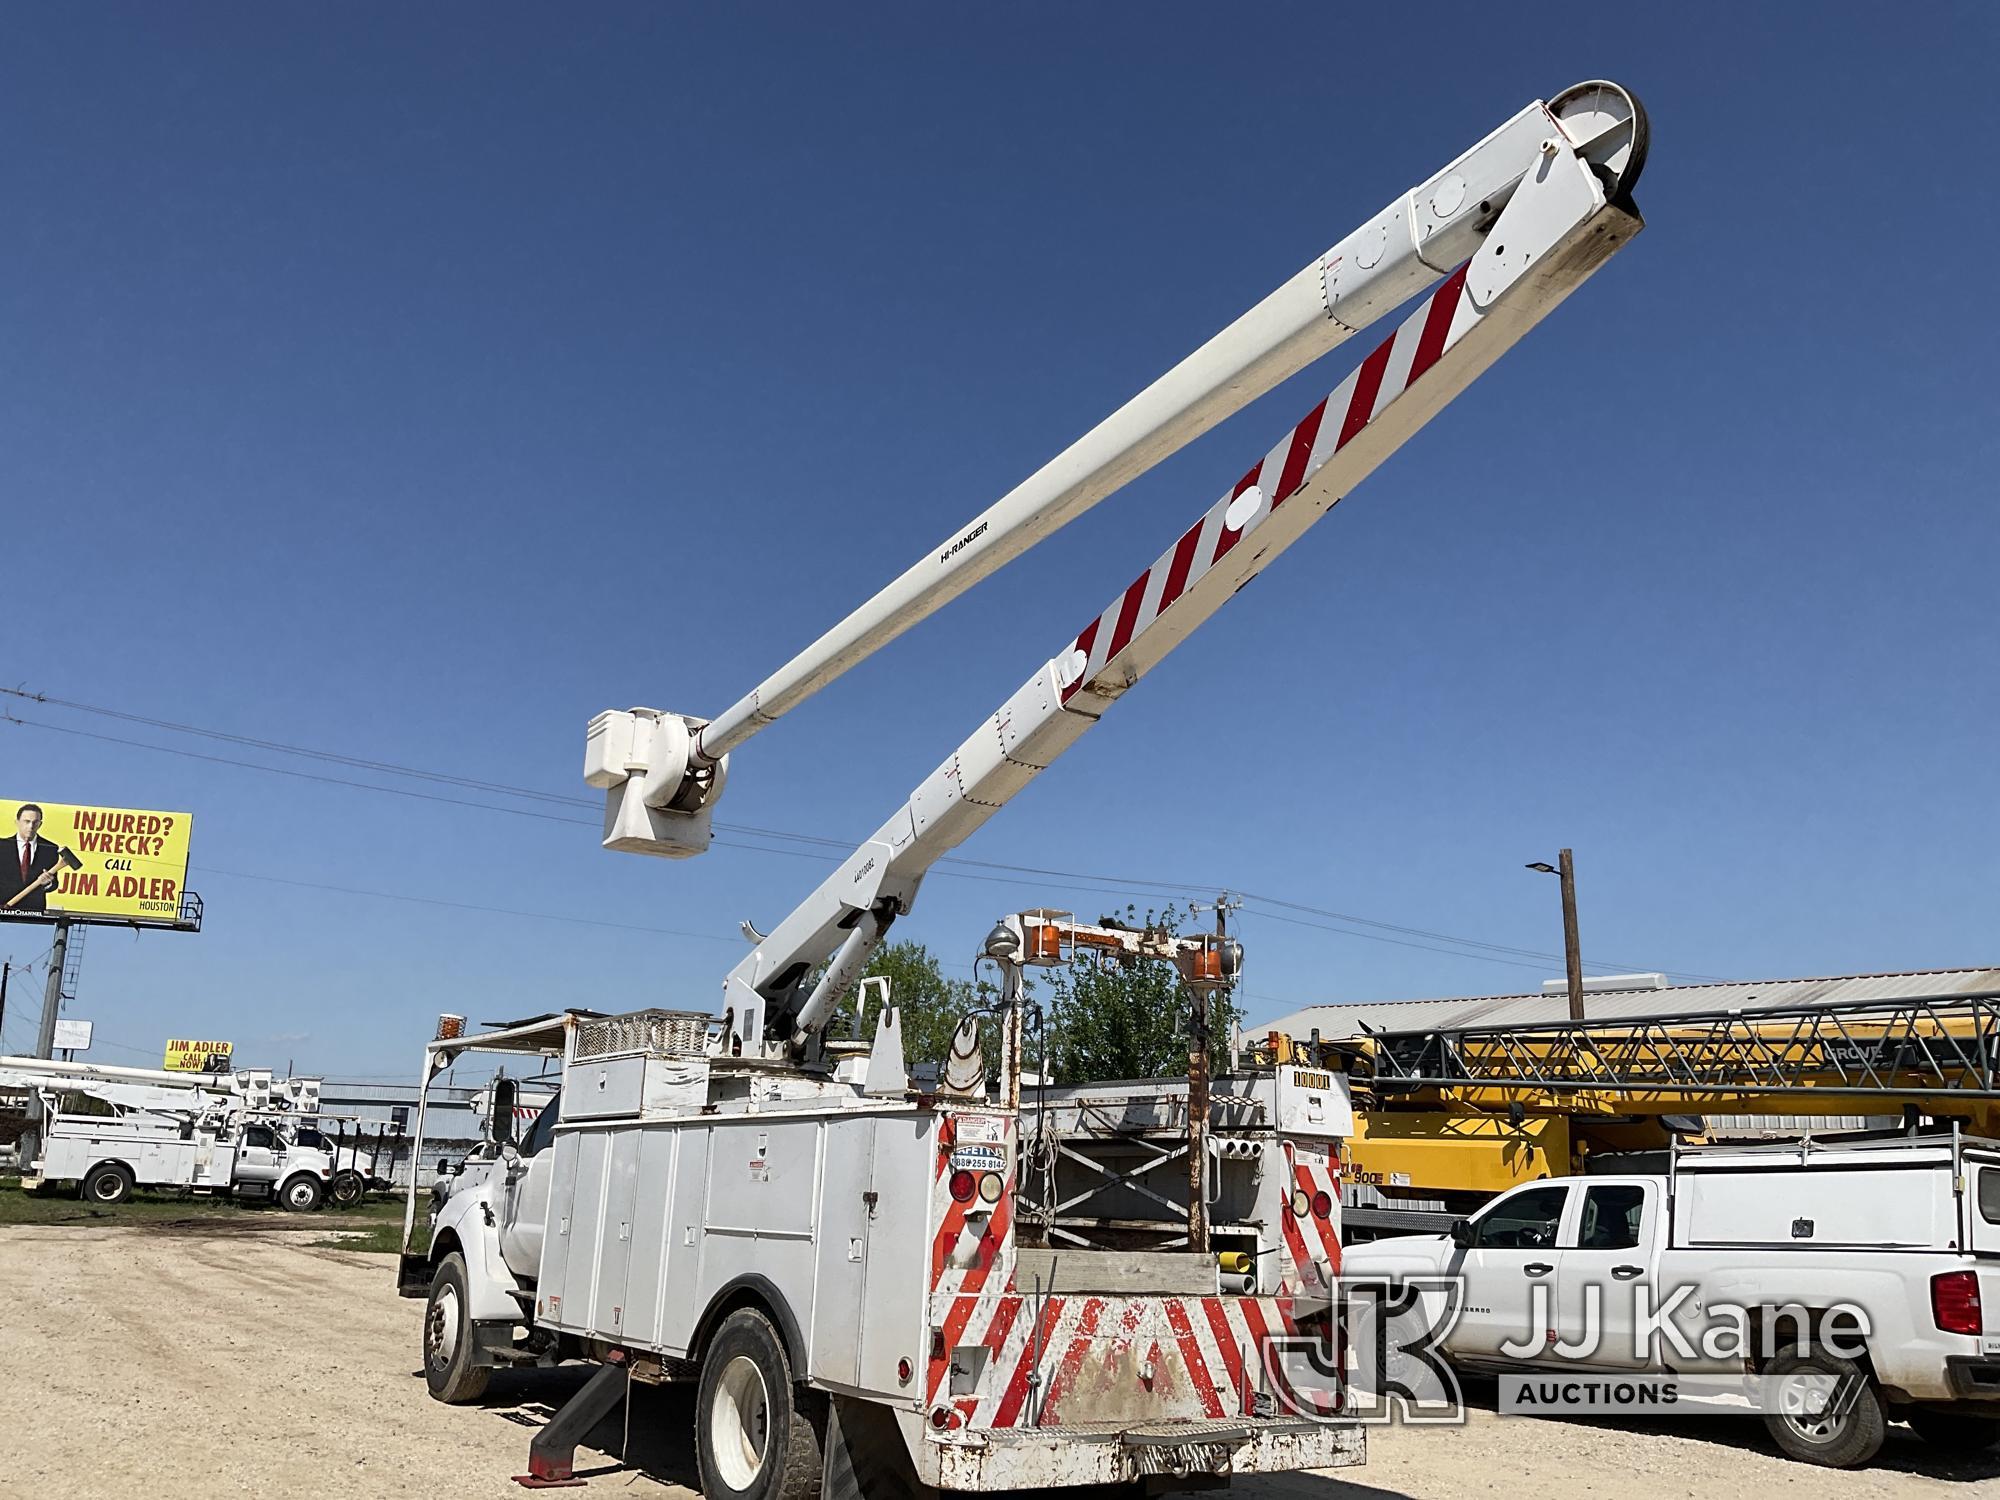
[{"x": 552, "y": 1455}]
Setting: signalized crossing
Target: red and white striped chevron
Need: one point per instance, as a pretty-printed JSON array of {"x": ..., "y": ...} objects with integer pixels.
[
  {"x": 1310, "y": 1241},
  {"x": 1397, "y": 365},
  {"x": 1056, "y": 1359}
]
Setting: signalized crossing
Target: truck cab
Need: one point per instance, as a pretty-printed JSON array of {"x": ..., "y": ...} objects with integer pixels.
[{"x": 270, "y": 1164}]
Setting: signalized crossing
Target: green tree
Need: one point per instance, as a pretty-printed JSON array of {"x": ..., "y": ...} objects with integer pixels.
[
  {"x": 931, "y": 1005},
  {"x": 1112, "y": 1020}
]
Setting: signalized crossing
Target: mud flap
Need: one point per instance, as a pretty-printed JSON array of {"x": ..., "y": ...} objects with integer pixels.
[
  {"x": 413, "y": 1275},
  {"x": 864, "y": 1455}
]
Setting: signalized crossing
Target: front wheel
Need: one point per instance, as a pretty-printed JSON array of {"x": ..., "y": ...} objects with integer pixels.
[
  {"x": 1822, "y": 1409},
  {"x": 301, "y": 1194},
  {"x": 449, "y": 1371},
  {"x": 1955, "y": 1431},
  {"x": 752, "y": 1440}
]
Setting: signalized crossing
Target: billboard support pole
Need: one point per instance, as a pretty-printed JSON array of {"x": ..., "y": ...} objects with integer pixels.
[{"x": 45, "y": 1042}]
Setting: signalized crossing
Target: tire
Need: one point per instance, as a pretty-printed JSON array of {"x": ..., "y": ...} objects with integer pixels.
[
  {"x": 1955, "y": 1431},
  {"x": 753, "y": 1437},
  {"x": 107, "y": 1183},
  {"x": 301, "y": 1194},
  {"x": 347, "y": 1188},
  {"x": 1844, "y": 1436},
  {"x": 449, "y": 1370}
]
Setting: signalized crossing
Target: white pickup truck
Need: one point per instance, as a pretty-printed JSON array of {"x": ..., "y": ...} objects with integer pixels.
[{"x": 1869, "y": 1263}]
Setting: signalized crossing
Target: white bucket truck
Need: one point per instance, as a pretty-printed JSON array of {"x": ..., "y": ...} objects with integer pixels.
[
  {"x": 110, "y": 1129},
  {"x": 835, "y": 1255}
]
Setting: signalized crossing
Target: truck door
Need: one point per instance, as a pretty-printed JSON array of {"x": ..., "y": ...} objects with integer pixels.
[
  {"x": 524, "y": 1213},
  {"x": 1607, "y": 1256},
  {"x": 257, "y": 1155},
  {"x": 1514, "y": 1251}
]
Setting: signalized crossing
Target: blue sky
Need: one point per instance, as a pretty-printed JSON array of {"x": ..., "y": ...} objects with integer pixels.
[{"x": 415, "y": 382}]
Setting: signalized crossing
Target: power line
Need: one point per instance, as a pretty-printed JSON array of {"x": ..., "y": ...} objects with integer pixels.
[
  {"x": 1518, "y": 963},
  {"x": 1080, "y": 881},
  {"x": 251, "y": 765},
  {"x": 1498, "y": 949},
  {"x": 1104, "y": 889},
  {"x": 357, "y": 762},
  {"x": 501, "y": 911}
]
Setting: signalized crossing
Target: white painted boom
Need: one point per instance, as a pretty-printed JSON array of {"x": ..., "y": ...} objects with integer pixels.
[
  {"x": 663, "y": 772},
  {"x": 1567, "y": 210},
  {"x": 152, "y": 1090}
]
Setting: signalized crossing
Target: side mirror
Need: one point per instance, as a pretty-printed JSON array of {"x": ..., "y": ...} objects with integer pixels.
[
  {"x": 1463, "y": 1234},
  {"x": 444, "y": 1166},
  {"x": 504, "y": 1094}
]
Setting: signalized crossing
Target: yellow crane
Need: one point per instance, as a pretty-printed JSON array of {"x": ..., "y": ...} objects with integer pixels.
[{"x": 1472, "y": 1111}]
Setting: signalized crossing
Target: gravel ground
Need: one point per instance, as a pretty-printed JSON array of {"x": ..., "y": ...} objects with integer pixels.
[{"x": 184, "y": 1365}]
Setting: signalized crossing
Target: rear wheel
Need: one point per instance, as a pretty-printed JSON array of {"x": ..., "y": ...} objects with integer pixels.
[
  {"x": 753, "y": 1440},
  {"x": 301, "y": 1194},
  {"x": 108, "y": 1183},
  {"x": 1822, "y": 1409},
  {"x": 1955, "y": 1431},
  {"x": 347, "y": 1188},
  {"x": 448, "y": 1347}
]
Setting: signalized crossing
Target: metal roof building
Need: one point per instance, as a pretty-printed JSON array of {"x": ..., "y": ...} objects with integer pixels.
[{"x": 1643, "y": 1000}]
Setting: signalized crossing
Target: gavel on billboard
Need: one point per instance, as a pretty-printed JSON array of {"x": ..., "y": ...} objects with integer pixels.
[{"x": 64, "y": 861}]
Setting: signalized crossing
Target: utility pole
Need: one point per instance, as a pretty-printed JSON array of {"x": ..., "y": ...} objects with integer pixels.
[
  {"x": 6, "y": 969},
  {"x": 1572, "y": 947},
  {"x": 45, "y": 1042}
]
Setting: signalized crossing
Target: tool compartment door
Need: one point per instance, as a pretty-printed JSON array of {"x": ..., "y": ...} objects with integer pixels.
[
  {"x": 653, "y": 1245},
  {"x": 614, "y": 1257},
  {"x": 570, "y": 1249},
  {"x": 899, "y": 1247},
  {"x": 845, "y": 1238}
]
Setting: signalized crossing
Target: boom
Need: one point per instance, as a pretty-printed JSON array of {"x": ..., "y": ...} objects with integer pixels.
[
  {"x": 1566, "y": 210},
  {"x": 148, "y": 1090}
]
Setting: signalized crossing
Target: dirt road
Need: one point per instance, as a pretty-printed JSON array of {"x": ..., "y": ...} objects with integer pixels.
[{"x": 177, "y": 1366}]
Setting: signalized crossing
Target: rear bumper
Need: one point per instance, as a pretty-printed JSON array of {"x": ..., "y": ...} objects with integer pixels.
[
  {"x": 1158, "y": 1453},
  {"x": 1973, "y": 1378}
]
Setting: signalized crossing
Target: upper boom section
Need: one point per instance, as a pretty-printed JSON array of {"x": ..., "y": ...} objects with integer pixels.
[
  {"x": 663, "y": 772},
  {"x": 1555, "y": 233}
]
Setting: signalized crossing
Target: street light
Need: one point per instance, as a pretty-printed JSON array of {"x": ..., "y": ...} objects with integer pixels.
[{"x": 1572, "y": 949}]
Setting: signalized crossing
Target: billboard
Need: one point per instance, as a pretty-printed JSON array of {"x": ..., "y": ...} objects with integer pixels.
[
  {"x": 197, "y": 1057},
  {"x": 116, "y": 864}
]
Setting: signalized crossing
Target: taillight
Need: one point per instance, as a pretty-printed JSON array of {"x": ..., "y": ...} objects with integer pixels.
[
  {"x": 1955, "y": 1301},
  {"x": 1322, "y": 1205},
  {"x": 1301, "y": 1203},
  {"x": 963, "y": 1186},
  {"x": 990, "y": 1187}
]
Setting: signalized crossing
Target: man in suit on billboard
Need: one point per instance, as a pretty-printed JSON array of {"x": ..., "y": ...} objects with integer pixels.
[{"x": 27, "y": 858}]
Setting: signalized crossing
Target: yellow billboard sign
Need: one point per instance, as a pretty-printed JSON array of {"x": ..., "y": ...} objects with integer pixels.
[
  {"x": 198, "y": 1057},
  {"x": 117, "y": 863}
]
